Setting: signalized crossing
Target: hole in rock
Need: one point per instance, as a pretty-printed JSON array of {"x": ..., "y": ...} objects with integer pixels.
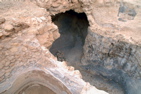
[
  {"x": 69, "y": 47},
  {"x": 73, "y": 31}
]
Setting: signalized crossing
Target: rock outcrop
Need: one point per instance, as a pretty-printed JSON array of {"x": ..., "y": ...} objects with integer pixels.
[{"x": 107, "y": 45}]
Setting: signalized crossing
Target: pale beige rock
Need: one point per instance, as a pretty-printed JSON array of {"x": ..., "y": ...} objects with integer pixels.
[
  {"x": 56, "y": 35},
  {"x": 14, "y": 49},
  {"x": 8, "y": 27},
  {"x": 32, "y": 59}
]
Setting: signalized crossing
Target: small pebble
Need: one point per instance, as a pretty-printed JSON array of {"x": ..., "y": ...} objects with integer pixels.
[{"x": 8, "y": 28}]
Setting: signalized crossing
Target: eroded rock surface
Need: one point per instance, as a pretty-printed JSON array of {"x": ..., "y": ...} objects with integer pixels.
[
  {"x": 25, "y": 57},
  {"x": 107, "y": 54}
]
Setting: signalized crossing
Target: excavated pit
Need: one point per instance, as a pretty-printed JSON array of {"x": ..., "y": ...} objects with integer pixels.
[{"x": 73, "y": 31}]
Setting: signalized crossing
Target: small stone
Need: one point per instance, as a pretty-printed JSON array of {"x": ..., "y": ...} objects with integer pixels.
[
  {"x": 14, "y": 49},
  {"x": 15, "y": 44},
  {"x": 6, "y": 33},
  {"x": 20, "y": 26},
  {"x": 8, "y": 28},
  {"x": 55, "y": 5},
  {"x": 2, "y": 20},
  {"x": 132, "y": 12},
  {"x": 71, "y": 68},
  {"x": 56, "y": 35},
  {"x": 77, "y": 72},
  {"x": 120, "y": 19},
  {"x": 24, "y": 49}
]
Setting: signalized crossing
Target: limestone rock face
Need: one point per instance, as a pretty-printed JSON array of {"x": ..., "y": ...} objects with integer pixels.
[
  {"x": 110, "y": 56},
  {"x": 114, "y": 59}
]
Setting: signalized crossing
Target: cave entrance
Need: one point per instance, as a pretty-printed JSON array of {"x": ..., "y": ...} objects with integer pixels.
[{"x": 73, "y": 31}]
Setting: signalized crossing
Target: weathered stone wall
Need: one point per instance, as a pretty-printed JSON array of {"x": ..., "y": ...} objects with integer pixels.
[
  {"x": 112, "y": 47},
  {"x": 113, "y": 59},
  {"x": 23, "y": 37}
]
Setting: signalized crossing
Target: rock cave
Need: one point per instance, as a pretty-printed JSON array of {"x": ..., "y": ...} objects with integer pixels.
[
  {"x": 70, "y": 47},
  {"x": 73, "y": 31}
]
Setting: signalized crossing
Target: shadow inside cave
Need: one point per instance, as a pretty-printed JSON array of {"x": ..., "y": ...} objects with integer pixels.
[{"x": 73, "y": 31}]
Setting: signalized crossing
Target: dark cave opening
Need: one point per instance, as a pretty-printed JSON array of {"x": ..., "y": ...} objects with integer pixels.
[{"x": 73, "y": 31}]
